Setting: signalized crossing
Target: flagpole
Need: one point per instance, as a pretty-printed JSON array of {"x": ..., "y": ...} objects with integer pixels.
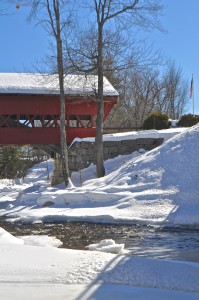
[{"x": 193, "y": 97}]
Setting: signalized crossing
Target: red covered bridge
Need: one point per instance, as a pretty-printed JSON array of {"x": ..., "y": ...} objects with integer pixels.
[{"x": 30, "y": 107}]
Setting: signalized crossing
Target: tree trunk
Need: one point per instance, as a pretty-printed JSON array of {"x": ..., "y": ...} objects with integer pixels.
[
  {"x": 64, "y": 150},
  {"x": 100, "y": 108}
]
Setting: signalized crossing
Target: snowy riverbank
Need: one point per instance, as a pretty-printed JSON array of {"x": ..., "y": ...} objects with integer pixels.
[
  {"x": 55, "y": 274},
  {"x": 156, "y": 187}
]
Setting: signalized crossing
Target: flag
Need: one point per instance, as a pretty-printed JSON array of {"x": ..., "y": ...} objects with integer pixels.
[{"x": 191, "y": 88}]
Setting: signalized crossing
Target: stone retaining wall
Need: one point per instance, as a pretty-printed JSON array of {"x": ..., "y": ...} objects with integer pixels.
[{"x": 82, "y": 154}]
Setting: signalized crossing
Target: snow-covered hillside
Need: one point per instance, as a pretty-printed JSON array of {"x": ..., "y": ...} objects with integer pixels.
[{"x": 157, "y": 187}]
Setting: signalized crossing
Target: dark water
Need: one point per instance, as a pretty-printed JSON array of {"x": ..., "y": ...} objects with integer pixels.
[{"x": 146, "y": 241}]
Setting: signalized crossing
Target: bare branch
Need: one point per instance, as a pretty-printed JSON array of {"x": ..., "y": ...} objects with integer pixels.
[
  {"x": 123, "y": 10},
  {"x": 51, "y": 22}
]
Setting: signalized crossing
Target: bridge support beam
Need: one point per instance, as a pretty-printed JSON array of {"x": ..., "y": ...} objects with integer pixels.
[{"x": 57, "y": 177}]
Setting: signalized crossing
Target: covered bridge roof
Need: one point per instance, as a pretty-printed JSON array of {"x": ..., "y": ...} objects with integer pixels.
[{"x": 43, "y": 84}]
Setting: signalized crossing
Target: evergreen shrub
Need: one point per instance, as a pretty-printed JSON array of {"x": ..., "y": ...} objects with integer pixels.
[
  {"x": 156, "y": 121},
  {"x": 188, "y": 120}
]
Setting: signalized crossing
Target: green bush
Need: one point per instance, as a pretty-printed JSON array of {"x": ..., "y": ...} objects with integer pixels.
[
  {"x": 188, "y": 120},
  {"x": 156, "y": 121}
]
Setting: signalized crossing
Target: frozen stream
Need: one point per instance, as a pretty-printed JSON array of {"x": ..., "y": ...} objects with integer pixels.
[{"x": 147, "y": 241}]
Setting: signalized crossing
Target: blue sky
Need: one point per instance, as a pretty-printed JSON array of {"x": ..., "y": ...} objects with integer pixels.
[{"x": 23, "y": 45}]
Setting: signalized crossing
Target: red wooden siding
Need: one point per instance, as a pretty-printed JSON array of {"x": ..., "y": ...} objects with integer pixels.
[
  {"x": 39, "y": 106},
  {"x": 34, "y": 104},
  {"x": 42, "y": 136}
]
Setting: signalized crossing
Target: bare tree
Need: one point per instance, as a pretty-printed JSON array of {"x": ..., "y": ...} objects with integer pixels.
[
  {"x": 112, "y": 17},
  {"x": 143, "y": 92},
  {"x": 146, "y": 90},
  {"x": 139, "y": 93},
  {"x": 55, "y": 24},
  {"x": 174, "y": 92}
]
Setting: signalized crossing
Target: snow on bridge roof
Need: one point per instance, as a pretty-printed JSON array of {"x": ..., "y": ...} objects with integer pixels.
[{"x": 29, "y": 83}]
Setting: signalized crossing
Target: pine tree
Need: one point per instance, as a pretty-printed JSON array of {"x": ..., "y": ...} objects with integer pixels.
[{"x": 10, "y": 157}]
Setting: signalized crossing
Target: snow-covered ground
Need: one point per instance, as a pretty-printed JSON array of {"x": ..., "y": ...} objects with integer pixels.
[
  {"x": 53, "y": 274},
  {"x": 155, "y": 187}
]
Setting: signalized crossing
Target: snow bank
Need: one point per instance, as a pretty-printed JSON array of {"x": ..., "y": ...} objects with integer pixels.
[
  {"x": 36, "y": 240},
  {"x": 7, "y": 238},
  {"x": 160, "y": 186},
  {"x": 47, "y": 265}
]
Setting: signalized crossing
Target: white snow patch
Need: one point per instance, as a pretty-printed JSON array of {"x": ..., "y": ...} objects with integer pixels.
[
  {"x": 41, "y": 240},
  {"x": 7, "y": 238},
  {"x": 107, "y": 245}
]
